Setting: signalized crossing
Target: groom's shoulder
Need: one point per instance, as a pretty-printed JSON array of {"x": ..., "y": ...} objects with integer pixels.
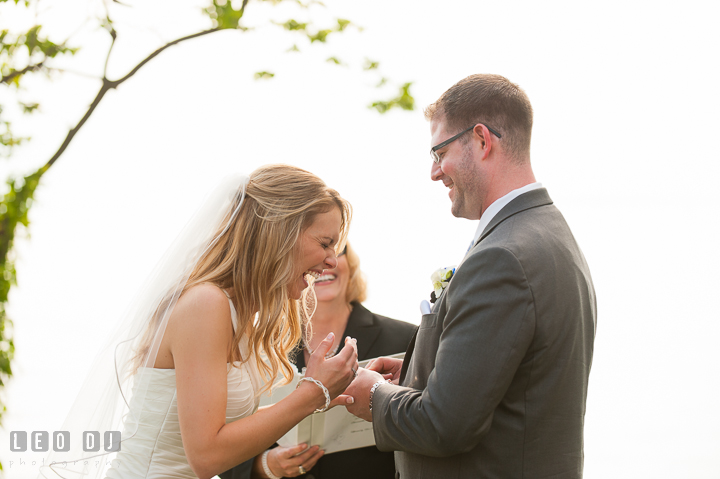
[
  {"x": 519, "y": 240},
  {"x": 528, "y": 230}
]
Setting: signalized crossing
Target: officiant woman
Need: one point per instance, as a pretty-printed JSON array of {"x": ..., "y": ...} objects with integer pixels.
[{"x": 340, "y": 293}]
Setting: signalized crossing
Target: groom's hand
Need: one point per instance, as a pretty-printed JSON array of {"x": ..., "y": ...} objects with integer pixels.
[
  {"x": 389, "y": 367},
  {"x": 359, "y": 389}
]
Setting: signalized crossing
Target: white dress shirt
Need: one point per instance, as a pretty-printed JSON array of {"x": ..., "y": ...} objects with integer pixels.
[{"x": 495, "y": 208}]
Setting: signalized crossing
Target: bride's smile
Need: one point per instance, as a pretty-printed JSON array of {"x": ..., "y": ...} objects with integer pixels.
[{"x": 316, "y": 249}]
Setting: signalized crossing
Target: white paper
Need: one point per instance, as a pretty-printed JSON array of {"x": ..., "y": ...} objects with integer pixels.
[{"x": 334, "y": 430}]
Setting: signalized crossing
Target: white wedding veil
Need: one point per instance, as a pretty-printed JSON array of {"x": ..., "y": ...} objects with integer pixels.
[{"x": 103, "y": 401}]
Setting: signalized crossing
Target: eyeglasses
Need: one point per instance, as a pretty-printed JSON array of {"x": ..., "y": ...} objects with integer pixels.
[{"x": 434, "y": 149}]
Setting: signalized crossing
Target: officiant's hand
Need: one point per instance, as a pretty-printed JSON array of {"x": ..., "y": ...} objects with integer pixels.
[
  {"x": 337, "y": 372},
  {"x": 360, "y": 391},
  {"x": 389, "y": 367}
]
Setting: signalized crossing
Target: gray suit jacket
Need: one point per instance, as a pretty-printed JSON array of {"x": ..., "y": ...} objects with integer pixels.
[{"x": 496, "y": 380}]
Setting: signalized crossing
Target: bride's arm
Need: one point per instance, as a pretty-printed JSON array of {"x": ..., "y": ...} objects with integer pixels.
[{"x": 199, "y": 335}]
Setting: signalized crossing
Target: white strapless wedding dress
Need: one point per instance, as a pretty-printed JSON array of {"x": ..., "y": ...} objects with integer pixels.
[{"x": 156, "y": 450}]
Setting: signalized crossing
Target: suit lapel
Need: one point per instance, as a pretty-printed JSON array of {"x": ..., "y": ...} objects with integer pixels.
[
  {"x": 526, "y": 201},
  {"x": 408, "y": 355},
  {"x": 362, "y": 327}
]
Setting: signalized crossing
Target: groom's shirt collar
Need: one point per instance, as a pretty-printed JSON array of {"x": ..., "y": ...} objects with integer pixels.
[{"x": 498, "y": 205}]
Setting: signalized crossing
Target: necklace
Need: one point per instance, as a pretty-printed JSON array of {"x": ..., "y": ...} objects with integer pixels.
[{"x": 328, "y": 355}]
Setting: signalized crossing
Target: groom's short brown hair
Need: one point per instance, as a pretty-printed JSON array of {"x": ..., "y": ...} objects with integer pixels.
[{"x": 492, "y": 100}]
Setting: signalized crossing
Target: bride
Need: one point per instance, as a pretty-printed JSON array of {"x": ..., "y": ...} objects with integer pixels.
[{"x": 210, "y": 332}]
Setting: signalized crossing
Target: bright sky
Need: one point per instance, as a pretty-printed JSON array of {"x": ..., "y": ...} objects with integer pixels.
[{"x": 626, "y": 117}]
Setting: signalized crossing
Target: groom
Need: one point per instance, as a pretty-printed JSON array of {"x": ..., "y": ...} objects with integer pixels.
[{"x": 495, "y": 380}]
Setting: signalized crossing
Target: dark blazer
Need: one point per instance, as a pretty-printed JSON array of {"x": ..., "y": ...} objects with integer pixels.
[
  {"x": 376, "y": 336},
  {"x": 495, "y": 380}
]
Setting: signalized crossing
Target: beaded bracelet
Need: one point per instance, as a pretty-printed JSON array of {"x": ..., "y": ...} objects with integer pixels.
[
  {"x": 324, "y": 390},
  {"x": 373, "y": 388},
  {"x": 265, "y": 466}
]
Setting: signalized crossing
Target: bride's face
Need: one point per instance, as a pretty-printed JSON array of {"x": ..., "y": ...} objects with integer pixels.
[{"x": 316, "y": 249}]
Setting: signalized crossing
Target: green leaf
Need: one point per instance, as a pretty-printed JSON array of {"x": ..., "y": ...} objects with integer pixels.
[
  {"x": 35, "y": 43},
  {"x": 334, "y": 60},
  {"x": 381, "y": 106},
  {"x": 264, "y": 75},
  {"x": 8, "y": 140},
  {"x": 223, "y": 15},
  {"x": 404, "y": 100},
  {"x": 13, "y": 212},
  {"x": 29, "y": 107},
  {"x": 320, "y": 36},
  {"x": 27, "y": 3},
  {"x": 308, "y": 4},
  {"x": 293, "y": 25},
  {"x": 31, "y": 49},
  {"x": 370, "y": 65},
  {"x": 342, "y": 24}
]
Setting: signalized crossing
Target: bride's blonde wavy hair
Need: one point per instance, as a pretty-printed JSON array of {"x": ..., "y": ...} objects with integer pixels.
[{"x": 255, "y": 259}]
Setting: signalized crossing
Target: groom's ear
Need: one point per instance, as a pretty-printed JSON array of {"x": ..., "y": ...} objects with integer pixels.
[{"x": 483, "y": 142}]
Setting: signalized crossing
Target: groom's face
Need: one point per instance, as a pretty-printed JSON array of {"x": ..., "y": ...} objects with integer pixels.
[{"x": 458, "y": 171}]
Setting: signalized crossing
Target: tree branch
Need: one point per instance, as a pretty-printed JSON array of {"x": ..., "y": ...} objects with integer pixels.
[
  {"x": 113, "y": 35},
  {"x": 160, "y": 50},
  {"x": 9, "y": 77},
  {"x": 242, "y": 9},
  {"x": 109, "y": 85}
]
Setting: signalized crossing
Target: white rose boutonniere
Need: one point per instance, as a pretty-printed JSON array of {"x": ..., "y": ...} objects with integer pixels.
[{"x": 440, "y": 280}]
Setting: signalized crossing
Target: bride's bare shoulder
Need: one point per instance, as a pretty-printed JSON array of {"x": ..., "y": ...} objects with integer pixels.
[
  {"x": 206, "y": 293},
  {"x": 204, "y": 303},
  {"x": 199, "y": 326}
]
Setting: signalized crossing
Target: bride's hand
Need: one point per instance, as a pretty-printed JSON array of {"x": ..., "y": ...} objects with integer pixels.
[
  {"x": 286, "y": 461},
  {"x": 337, "y": 372}
]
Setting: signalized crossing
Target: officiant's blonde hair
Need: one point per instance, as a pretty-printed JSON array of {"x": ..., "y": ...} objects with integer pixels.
[
  {"x": 255, "y": 255},
  {"x": 357, "y": 284}
]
